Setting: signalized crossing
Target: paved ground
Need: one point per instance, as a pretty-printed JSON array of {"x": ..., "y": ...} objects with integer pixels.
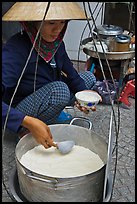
[{"x": 124, "y": 185}]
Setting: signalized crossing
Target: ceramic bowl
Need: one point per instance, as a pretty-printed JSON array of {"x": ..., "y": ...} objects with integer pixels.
[{"x": 88, "y": 98}]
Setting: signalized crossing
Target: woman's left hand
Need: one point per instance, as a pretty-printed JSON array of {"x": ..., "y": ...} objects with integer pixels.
[{"x": 84, "y": 109}]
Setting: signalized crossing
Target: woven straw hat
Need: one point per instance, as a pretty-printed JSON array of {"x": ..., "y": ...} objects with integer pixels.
[{"x": 35, "y": 11}]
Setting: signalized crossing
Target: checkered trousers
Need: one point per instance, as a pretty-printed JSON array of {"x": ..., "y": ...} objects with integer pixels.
[{"x": 47, "y": 102}]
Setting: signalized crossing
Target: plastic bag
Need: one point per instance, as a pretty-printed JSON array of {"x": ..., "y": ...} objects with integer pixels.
[{"x": 101, "y": 88}]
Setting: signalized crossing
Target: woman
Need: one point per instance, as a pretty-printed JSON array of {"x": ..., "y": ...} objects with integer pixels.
[{"x": 49, "y": 80}]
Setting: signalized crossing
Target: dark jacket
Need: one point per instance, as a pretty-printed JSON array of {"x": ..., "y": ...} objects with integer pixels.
[{"x": 14, "y": 56}]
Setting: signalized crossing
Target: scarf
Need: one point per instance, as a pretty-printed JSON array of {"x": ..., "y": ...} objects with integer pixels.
[{"x": 46, "y": 50}]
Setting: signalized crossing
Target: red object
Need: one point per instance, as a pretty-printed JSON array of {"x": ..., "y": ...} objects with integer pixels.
[{"x": 129, "y": 90}]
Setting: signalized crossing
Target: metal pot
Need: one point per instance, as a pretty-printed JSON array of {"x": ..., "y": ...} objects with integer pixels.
[
  {"x": 38, "y": 188},
  {"x": 107, "y": 33}
]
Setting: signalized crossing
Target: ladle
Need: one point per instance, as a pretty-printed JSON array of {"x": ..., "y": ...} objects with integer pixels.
[{"x": 65, "y": 146}]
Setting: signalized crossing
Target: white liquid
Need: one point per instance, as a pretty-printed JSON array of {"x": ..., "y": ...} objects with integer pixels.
[{"x": 50, "y": 162}]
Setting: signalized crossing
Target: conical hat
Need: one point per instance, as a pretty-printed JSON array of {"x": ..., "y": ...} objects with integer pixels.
[{"x": 35, "y": 11}]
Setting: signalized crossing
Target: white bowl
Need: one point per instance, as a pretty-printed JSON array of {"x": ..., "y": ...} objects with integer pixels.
[{"x": 88, "y": 98}]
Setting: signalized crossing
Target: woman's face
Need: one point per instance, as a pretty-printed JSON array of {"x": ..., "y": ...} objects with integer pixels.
[{"x": 50, "y": 29}]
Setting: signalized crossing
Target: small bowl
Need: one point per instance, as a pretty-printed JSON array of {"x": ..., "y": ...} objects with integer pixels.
[{"x": 88, "y": 98}]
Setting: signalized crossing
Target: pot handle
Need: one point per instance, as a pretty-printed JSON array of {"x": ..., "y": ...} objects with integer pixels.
[
  {"x": 109, "y": 189},
  {"x": 51, "y": 180},
  {"x": 30, "y": 175},
  {"x": 82, "y": 118}
]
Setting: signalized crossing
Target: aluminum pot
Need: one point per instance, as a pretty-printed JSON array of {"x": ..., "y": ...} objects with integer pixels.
[
  {"x": 106, "y": 31},
  {"x": 39, "y": 188},
  {"x": 107, "y": 34}
]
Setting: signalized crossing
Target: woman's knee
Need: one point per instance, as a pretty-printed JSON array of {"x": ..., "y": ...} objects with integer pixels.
[
  {"x": 62, "y": 92},
  {"x": 89, "y": 78}
]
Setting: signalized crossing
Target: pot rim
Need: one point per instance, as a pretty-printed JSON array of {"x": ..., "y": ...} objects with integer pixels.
[{"x": 56, "y": 178}]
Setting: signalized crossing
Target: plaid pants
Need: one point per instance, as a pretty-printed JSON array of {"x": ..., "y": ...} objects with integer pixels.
[{"x": 47, "y": 102}]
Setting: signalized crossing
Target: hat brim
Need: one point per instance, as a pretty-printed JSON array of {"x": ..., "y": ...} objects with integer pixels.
[{"x": 35, "y": 11}]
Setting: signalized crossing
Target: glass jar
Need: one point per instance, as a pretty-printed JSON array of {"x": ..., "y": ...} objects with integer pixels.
[{"x": 121, "y": 43}]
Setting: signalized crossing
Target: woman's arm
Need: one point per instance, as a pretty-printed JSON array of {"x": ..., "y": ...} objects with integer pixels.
[
  {"x": 40, "y": 131},
  {"x": 16, "y": 119},
  {"x": 73, "y": 80}
]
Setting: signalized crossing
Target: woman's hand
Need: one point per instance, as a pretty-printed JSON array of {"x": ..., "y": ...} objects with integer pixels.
[
  {"x": 84, "y": 109},
  {"x": 40, "y": 131}
]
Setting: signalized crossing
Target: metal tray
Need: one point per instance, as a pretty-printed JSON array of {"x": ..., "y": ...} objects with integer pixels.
[{"x": 109, "y": 55}]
